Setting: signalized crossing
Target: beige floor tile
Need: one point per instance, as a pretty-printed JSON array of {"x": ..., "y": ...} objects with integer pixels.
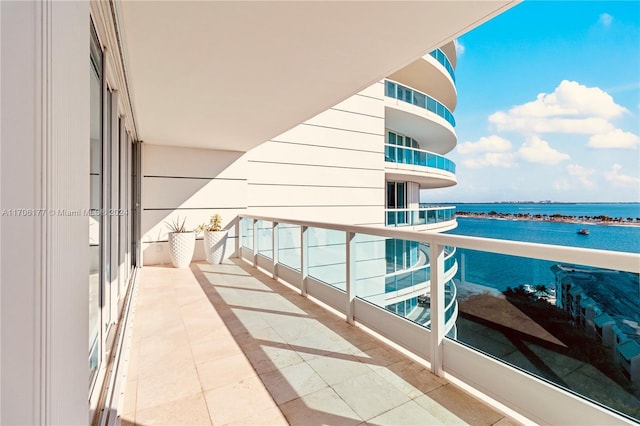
[
  {"x": 335, "y": 370},
  {"x": 191, "y": 410},
  {"x": 171, "y": 385},
  {"x": 443, "y": 415},
  {"x": 323, "y": 407},
  {"x": 464, "y": 406},
  {"x": 407, "y": 414},
  {"x": 212, "y": 347},
  {"x": 411, "y": 378},
  {"x": 232, "y": 403},
  {"x": 370, "y": 395},
  {"x": 268, "y": 417},
  {"x": 203, "y": 335},
  {"x": 292, "y": 382},
  {"x": 224, "y": 371},
  {"x": 265, "y": 358}
]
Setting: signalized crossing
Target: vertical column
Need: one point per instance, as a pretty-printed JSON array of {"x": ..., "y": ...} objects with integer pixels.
[
  {"x": 304, "y": 264},
  {"x": 351, "y": 270},
  {"x": 255, "y": 243},
  {"x": 436, "y": 260},
  {"x": 274, "y": 249},
  {"x": 238, "y": 231}
]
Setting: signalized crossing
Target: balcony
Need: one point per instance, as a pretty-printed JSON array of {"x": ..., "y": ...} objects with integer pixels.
[
  {"x": 433, "y": 74},
  {"x": 512, "y": 349},
  {"x": 414, "y": 113},
  {"x": 425, "y": 218},
  {"x": 208, "y": 340},
  {"x": 419, "y": 99},
  {"x": 429, "y": 169}
]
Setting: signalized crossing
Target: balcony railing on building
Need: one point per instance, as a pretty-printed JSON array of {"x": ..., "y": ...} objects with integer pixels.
[
  {"x": 441, "y": 57},
  {"x": 417, "y": 98},
  {"x": 417, "y": 157},
  {"x": 421, "y": 216},
  {"x": 508, "y": 357}
]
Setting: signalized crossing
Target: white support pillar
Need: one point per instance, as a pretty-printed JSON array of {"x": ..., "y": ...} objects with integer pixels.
[
  {"x": 350, "y": 279},
  {"x": 304, "y": 264},
  {"x": 436, "y": 260},
  {"x": 255, "y": 243},
  {"x": 274, "y": 249},
  {"x": 238, "y": 231}
]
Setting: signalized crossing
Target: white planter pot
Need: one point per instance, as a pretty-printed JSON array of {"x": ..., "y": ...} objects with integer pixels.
[
  {"x": 181, "y": 246},
  {"x": 215, "y": 243}
]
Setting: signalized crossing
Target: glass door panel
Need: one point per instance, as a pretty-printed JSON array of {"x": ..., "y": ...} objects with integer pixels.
[{"x": 95, "y": 219}]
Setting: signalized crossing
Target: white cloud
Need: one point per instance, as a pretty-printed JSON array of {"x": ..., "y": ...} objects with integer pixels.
[
  {"x": 459, "y": 48},
  {"x": 614, "y": 139},
  {"x": 618, "y": 179},
  {"x": 605, "y": 19},
  {"x": 485, "y": 144},
  {"x": 492, "y": 159},
  {"x": 535, "y": 150},
  {"x": 582, "y": 174},
  {"x": 571, "y": 108}
]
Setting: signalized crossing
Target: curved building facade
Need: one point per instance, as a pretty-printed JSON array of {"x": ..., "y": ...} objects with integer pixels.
[{"x": 419, "y": 100}]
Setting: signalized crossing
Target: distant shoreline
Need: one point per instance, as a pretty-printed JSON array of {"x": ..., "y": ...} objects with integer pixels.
[{"x": 557, "y": 218}]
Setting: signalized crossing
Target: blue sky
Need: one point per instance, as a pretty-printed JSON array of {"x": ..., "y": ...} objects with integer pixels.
[{"x": 549, "y": 105}]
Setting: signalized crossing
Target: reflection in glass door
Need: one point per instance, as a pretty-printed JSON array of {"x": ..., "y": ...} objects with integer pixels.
[{"x": 95, "y": 220}]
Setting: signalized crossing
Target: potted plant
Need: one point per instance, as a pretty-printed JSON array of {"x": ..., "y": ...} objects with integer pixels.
[
  {"x": 181, "y": 243},
  {"x": 215, "y": 239}
]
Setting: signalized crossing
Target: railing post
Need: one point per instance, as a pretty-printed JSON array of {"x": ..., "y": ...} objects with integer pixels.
[
  {"x": 350, "y": 278},
  {"x": 238, "y": 231},
  {"x": 274, "y": 249},
  {"x": 304, "y": 264},
  {"x": 255, "y": 243},
  {"x": 436, "y": 261}
]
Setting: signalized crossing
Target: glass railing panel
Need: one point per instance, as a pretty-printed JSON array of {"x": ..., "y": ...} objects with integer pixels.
[
  {"x": 265, "y": 239},
  {"x": 414, "y": 97},
  {"x": 422, "y": 216},
  {"x": 247, "y": 233},
  {"x": 571, "y": 325},
  {"x": 289, "y": 245},
  {"x": 370, "y": 267},
  {"x": 417, "y": 157},
  {"x": 442, "y": 58},
  {"x": 327, "y": 256}
]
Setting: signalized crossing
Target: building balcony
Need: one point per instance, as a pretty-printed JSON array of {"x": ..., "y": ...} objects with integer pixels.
[
  {"x": 424, "y": 218},
  {"x": 206, "y": 339},
  {"x": 433, "y": 74},
  {"x": 429, "y": 169},
  {"x": 414, "y": 113}
]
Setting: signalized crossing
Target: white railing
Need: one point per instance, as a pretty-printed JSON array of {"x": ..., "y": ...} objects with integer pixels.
[{"x": 533, "y": 398}]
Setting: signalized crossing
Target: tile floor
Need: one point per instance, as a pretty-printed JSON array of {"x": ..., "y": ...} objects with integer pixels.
[{"x": 227, "y": 345}]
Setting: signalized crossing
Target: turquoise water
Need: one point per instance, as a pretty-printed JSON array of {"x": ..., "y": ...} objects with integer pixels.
[
  {"x": 603, "y": 237},
  {"x": 501, "y": 271},
  {"x": 617, "y": 294}
]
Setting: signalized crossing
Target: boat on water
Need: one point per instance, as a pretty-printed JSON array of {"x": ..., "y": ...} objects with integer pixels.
[{"x": 583, "y": 231}]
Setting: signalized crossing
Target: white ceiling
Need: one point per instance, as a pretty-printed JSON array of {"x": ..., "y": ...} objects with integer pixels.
[{"x": 232, "y": 75}]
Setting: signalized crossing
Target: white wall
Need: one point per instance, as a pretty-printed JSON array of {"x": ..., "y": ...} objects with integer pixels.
[
  {"x": 330, "y": 168},
  {"x": 44, "y": 259},
  {"x": 188, "y": 183}
]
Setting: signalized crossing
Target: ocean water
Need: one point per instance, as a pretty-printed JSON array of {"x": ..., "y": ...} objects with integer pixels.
[
  {"x": 501, "y": 271},
  {"x": 497, "y": 271}
]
